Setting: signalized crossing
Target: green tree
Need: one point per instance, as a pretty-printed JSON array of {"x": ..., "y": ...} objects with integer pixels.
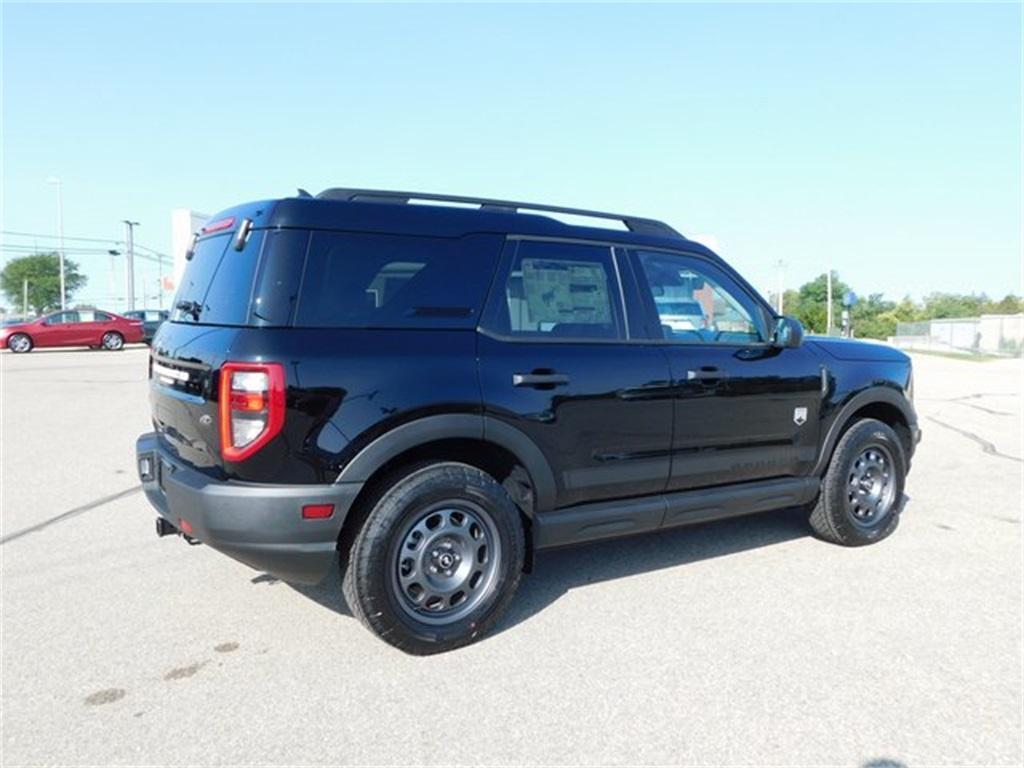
[
  {"x": 42, "y": 270},
  {"x": 874, "y": 317},
  {"x": 1008, "y": 305},
  {"x": 811, "y": 302},
  {"x": 940, "y": 305}
]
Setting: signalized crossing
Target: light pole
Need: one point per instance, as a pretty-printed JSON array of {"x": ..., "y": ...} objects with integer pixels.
[
  {"x": 60, "y": 234},
  {"x": 828, "y": 304},
  {"x": 779, "y": 266},
  {"x": 129, "y": 265}
]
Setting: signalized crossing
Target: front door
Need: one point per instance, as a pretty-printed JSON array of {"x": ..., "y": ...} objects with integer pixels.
[
  {"x": 61, "y": 329},
  {"x": 744, "y": 409},
  {"x": 558, "y": 361}
]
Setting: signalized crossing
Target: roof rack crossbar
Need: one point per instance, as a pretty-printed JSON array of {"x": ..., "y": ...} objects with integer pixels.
[{"x": 632, "y": 223}]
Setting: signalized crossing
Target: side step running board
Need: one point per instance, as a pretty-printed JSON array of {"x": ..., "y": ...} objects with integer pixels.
[{"x": 610, "y": 519}]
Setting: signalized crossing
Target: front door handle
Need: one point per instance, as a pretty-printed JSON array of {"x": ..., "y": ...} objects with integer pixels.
[
  {"x": 539, "y": 379},
  {"x": 706, "y": 373}
]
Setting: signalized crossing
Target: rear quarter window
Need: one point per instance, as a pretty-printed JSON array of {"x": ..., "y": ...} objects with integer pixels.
[{"x": 386, "y": 281}]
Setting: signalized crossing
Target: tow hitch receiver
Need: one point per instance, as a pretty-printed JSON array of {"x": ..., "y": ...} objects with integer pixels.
[{"x": 165, "y": 528}]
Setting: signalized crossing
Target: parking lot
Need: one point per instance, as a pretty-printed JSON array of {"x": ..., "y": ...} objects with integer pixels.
[{"x": 739, "y": 642}]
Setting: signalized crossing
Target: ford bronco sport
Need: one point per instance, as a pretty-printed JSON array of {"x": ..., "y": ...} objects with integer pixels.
[{"x": 429, "y": 393}]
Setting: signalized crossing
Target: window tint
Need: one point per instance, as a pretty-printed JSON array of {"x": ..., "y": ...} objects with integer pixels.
[
  {"x": 218, "y": 282},
  {"x": 280, "y": 273},
  {"x": 559, "y": 290},
  {"x": 92, "y": 316},
  {"x": 696, "y": 304},
  {"x": 62, "y": 318},
  {"x": 384, "y": 281},
  {"x": 227, "y": 301}
]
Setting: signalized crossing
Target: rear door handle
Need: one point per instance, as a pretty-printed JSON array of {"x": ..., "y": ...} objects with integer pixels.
[
  {"x": 539, "y": 379},
  {"x": 705, "y": 374}
]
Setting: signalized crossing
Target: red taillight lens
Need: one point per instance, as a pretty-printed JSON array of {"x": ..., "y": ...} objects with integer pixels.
[{"x": 251, "y": 407}]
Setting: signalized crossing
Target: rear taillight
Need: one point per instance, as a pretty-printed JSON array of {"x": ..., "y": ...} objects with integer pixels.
[{"x": 251, "y": 407}]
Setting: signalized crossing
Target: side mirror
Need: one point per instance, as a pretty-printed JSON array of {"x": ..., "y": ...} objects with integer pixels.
[{"x": 788, "y": 332}]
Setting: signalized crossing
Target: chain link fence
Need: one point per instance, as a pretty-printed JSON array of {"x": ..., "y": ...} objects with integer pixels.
[{"x": 988, "y": 334}]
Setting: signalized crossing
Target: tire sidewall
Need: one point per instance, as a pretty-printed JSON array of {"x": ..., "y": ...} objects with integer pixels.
[
  {"x": 20, "y": 351},
  {"x": 861, "y": 436},
  {"x": 402, "y": 505}
]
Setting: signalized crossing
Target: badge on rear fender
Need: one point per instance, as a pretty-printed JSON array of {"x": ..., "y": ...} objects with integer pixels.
[{"x": 799, "y": 416}]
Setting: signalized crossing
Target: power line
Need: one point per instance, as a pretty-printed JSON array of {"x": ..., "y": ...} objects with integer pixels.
[
  {"x": 28, "y": 250},
  {"x": 111, "y": 241}
]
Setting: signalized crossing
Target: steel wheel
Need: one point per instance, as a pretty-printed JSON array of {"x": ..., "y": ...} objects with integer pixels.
[
  {"x": 112, "y": 341},
  {"x": 446, "y": 562},
  {"x": 871, "y": 491},
  {"x": 19, "y": 342}
]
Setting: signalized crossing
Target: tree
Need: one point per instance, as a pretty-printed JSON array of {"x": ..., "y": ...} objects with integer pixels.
[
  {"x": 811, "y": 302},
  {"x": 42, "y": 270}
]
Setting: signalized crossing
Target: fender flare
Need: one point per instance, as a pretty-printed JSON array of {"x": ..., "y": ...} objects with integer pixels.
[
  {"x": 877, "y": 394},
  {"x": 449, "y": 426}
]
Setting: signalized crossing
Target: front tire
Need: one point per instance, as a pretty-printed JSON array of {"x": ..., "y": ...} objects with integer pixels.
[
  {"x": 20, "y": 343},
  {"x": 112, "y": 341},
  {"x": 437, "y": 560},
  {"x": 862, "y": 492}
]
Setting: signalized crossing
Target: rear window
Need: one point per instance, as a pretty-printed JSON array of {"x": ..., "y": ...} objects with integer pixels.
[
  {"x": 217, "y": 285},
  {"x": 386, "y": 281}
]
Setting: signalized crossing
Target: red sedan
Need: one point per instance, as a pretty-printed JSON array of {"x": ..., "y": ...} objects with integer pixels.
[{"x": 73, "y": 328}]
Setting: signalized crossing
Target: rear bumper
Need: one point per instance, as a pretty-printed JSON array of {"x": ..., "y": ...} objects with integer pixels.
[{"x": 259, "y": 525}]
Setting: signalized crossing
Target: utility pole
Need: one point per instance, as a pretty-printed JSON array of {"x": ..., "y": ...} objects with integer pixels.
[
  {"x": 60, "y": 235},
  {"x": 24, "y": 297},
  {"x": 112, "y": 281},
  {"x": 129, "y": 262},
  {"x": 778, "y": 293},
  {"x": 828, "y": 303},
  {"x": 160, "y": 281}
]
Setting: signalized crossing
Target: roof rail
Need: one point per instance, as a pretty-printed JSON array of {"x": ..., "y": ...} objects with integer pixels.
[{"x": 632, "y": 223}]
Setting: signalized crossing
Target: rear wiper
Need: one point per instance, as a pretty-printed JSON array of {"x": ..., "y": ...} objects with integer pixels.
[{"x": 191, "y": 307}]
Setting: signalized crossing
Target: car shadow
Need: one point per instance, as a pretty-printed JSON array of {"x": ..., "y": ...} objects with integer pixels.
[{"x": 556, "y": 572}]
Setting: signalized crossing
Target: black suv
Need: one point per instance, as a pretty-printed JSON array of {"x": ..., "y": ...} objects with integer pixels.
[{"x": 435, "y": 387}]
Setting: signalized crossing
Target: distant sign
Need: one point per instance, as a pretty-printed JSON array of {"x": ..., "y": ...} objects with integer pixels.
[{"x": 849, "y": 299}]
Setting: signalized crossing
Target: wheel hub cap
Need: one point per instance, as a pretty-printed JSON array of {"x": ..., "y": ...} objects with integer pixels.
[
  {"x": 446, "y": 562},
  {"x": 871, "y": 490}
]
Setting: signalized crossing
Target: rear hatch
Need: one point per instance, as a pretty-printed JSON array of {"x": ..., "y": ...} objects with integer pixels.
[{"x": 212, "y": 306}]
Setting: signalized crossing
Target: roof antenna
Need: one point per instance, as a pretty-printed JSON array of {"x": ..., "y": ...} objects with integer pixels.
[{"x": 303, "y": 193}]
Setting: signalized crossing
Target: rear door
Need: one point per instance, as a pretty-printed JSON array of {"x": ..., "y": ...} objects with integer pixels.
[
  {"x": 92, "y": 325},
  {"x": 744, "y": 409},
  {"x": 560, "y": 362}
]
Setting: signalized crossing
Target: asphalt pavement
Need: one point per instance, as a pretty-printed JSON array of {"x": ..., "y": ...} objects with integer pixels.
[{"x": 743, "y": 642}]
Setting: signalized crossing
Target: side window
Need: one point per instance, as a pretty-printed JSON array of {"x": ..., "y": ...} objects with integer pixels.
[
  {"x": 696, "y": 304},
  {"x": 103, "y": 317},
  {"x": 559, "y": 290},
  {"x": 388, "y": 281},
  {"x": 62, "y": 318}
]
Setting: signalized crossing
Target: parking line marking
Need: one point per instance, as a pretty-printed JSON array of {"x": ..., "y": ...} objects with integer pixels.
[{"x": 70, "y": 513}]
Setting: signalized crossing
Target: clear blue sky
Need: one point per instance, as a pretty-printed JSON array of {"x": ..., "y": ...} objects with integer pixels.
[{"x": 883, "y": 140}]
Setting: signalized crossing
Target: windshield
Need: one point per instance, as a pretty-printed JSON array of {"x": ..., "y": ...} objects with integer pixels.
[{"x": 217, "y": 284}]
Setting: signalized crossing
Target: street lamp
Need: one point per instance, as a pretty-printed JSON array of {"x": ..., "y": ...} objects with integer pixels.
[
  {"x": 129, "y": 262},
  {"x": 60, "y": 234}
]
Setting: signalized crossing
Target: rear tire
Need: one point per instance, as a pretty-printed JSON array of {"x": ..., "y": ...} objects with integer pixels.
[
  {"x": 112, "y": 341},
  {"x": 20, "y": 343},
  {"x": 437, "y": 559},
  {"x": 862, "y": 491}
]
